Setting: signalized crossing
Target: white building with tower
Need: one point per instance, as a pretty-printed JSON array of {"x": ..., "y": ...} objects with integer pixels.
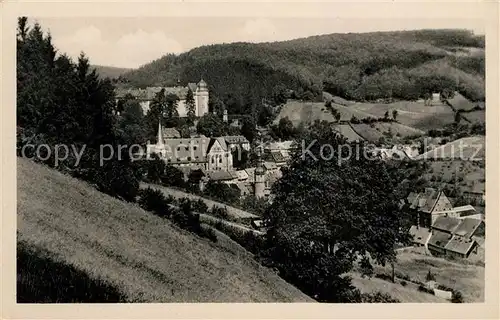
[{"x": 145, "y": 96}]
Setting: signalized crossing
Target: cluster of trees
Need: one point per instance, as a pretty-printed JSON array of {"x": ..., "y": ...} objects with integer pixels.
[
  {"x": 60, "y": 102},
  {"x": 331, "y": 209},
  {"x": 183, "y": 212}
]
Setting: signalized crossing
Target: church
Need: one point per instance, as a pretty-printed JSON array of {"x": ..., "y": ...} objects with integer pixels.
[{"x": 145, "y": 96}]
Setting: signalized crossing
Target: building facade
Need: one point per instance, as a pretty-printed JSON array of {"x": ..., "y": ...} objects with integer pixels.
[{"x": 146, "y": 96}]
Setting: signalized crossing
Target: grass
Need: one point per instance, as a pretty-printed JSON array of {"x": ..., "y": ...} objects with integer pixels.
[
  {"x": 43, "y": 279},
  {"x": 463, "y": 148},
  {"x": 475, "y": 116},
  {"x": 373, "y": 132},
  {"x": 467, "y": 278},
  {"x": 467, "y": 173},
  {"x": 146, "y": 258},
  {"x": 407, "y": 293},
  {"x": 411, "y": 113},
  {"x": 308, "y": 112}
]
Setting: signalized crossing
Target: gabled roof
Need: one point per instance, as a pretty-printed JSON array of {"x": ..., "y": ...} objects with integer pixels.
[
  {"x": 270, "y": 165},
  {"x": 242, "y": 175},
  {"x": 467, "y": 227},
  {"x": 170, "y": 133},
  {"x": 439, "y": 238},
  {"x": 192, "y": 86},
  {"x": 460, "y": 245},
  {"x": 220, "y": 175},
  {"x": 447, "y": 224},
  {"x": 420, "y": 235},
  {"x": 221, "y": 142},
  {"x": 424, "y": 201},
  {"x": 235, "y": 139},
  {"x": 277, "y": 156}
]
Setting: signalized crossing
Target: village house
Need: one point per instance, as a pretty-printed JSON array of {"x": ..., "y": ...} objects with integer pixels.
[
  {"x": 210, "y": 154},
  {"x": 427, "y": 206},
  {"x": 145, "y": 96},
  {"x": 455, "y": 237}
]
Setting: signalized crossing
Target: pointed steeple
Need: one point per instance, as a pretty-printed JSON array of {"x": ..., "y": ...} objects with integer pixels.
[{"x": 160, "y": 135}]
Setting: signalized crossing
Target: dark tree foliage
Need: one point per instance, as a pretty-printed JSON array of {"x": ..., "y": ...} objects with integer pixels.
[
  {"x": 211, "y": 125},
  {"x": 62, "y": 102},
  {"x": 325, "y": 214},
  {"x": 354, "y": 66},
  {"x": 222, "y": 192},
  {"x": 131, "y": 123},
  {"x": 190, "y": 107}
]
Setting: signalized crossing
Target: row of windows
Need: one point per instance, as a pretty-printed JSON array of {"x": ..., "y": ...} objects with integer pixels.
[{"x": 187, "y": 148}]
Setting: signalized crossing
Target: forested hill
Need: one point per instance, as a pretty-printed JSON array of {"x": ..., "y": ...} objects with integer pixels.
[
  {"x": 110, "y": 72},
  {"x": 364, "y": 66}
]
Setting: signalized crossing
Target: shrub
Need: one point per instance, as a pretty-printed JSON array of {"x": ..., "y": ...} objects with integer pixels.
[
  {"x": 366, "y": 267},
  {"x": 199, "y": 206},
  {"x": 378, "y": 297},
  {"x": 154, "y": 201},
  {"x": 430, "y": 276},
  {"x": 456, "y": 297},
  {"x": 403, "y": 283}
]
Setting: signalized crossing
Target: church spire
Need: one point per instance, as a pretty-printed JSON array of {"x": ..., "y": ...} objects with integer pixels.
[{"x": 160, "y": 135}]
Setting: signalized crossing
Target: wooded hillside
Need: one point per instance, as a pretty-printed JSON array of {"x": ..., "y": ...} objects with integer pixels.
[{"x": 367, "y": 66}]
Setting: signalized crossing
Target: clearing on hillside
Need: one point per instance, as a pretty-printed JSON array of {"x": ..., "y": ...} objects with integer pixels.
[
  {"x": 472, "y": 148},
  {"x": 411, "y": 113},
  {"x": 374, "y": 131},
  {"x": 467, "y": 278},
  {"x": 307, "y": 112},
  {"x": 143, "y": 256},
  {"x": 475, "y": 116}
]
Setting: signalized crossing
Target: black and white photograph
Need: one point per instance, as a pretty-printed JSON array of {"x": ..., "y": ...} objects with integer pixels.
[{"x": 255, "y": 159}]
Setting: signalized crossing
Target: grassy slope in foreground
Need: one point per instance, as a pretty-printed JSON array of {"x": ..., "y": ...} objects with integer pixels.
[{"x": 144, "y": 256}]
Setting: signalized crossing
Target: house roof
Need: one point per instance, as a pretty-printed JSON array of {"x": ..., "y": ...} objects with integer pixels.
[
  {"x": 235, "y": 139},
  {"x": 280, "y": 145},
  {"x": 221, "y": 142},
  {"x": 170, "y": 133},
  {"x": 460, "y": 245},
  {"x": 270, "y": 165},
  {"x": 424, "y": 201},
  {"x": 447, "y": 224},
  {"x": 244, "y": 187},
  {"x": 192, "y": 86},
  {"x": 439, "y": 238},
  {"x": 277, "y": 156},
  {"x": 241, "y": 174},
  {"x": 419, "y": 234},
  {"x": 467, "y": 227},
  {"x": 462, "y": 210},
  {"x": 182, "y": 150},
  {"x": 220, "y": 175},
  {"x": 251, "y": 174}
]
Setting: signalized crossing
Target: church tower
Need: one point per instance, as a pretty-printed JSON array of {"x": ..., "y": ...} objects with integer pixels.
[
  {"x": 260, "y": 178},
  {"x": 201, "y": 98}
]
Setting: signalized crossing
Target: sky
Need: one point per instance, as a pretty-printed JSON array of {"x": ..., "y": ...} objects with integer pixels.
[{"x": 132, "y": 42}]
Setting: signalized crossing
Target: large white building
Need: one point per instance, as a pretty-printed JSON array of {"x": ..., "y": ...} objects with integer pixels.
[{"x": 145, "y": 96}]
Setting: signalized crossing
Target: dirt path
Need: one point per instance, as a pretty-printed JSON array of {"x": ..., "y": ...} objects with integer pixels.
[{"x": 235, "y": 212}]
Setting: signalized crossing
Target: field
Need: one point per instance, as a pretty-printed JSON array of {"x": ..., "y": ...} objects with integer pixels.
[
  {"x": 408, "y": 293},
  {"x": 348, "y": 132},
  {"x": 469, "y": 279},
  {"x": 411, "y": 113},
  {"x": 467, "y": 174},
  {"x": 138, "y": 256},
  {"x": 308, "y": 112},
  {"x": 373, "y": 132},
  {"x": 475, "y": 116},
  {"x": 464, "y": 149}
]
